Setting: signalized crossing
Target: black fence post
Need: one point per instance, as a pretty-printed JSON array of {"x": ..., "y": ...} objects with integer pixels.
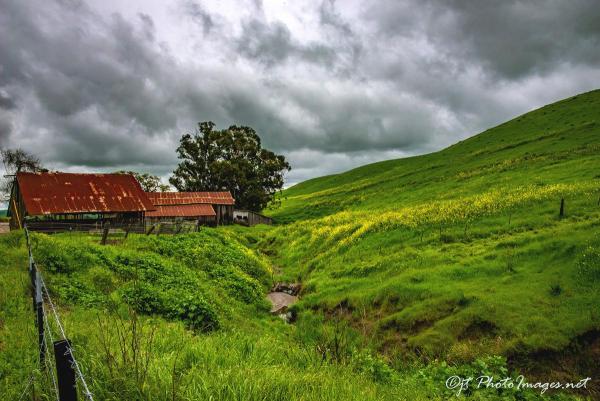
[
  {"x": 67, "y": 386},
  {"x": 105, "y": 234},
  {"x": 562, "y": 207},
  {"x": 151, "y": 229},
  {"x": 32, "y": 277},
  {"x": 28, "y": 241},
  {"x": 39, "y": 307}
]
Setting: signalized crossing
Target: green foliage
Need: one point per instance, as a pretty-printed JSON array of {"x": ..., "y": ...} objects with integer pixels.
[
  {"x": 195, "y": 310},
  {"x": 374, "y": 367},
  {"x": 194, "y": 278},
  {"x": 231, "y": 159}
]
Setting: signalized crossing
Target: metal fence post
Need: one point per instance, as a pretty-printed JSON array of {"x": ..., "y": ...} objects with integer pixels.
[
  {"x": 39, "y": 307},
  {"x": 67, "y": 386}
]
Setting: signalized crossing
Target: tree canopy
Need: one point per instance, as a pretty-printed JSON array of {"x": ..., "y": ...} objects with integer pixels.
[
  {"x": 14, "y": 161},
  {"x": 148, "y": 182},
  {"x": 232, "y": 159}
]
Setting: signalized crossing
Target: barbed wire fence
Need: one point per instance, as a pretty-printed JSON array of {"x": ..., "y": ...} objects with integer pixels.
[{"x": 53, "y": 344}]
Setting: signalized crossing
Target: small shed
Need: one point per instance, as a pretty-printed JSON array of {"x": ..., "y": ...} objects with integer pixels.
[
  {"x": 250, "y": 218},
  {"x": 55, "y": 201},
  {"x": 212, "y": 208}
]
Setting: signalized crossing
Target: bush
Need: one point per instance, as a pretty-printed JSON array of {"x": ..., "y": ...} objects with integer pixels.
[
  {"x": 144, "y": 298},
  {"x": 198, "y": 313},
  {"x": 194, "y": 278}
]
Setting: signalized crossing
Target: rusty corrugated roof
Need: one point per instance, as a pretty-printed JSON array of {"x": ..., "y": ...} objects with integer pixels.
[
  {"x": 55, "y": 193},
  {"x": 188, "y": 198},
  {"x": 195, "y": 210}
]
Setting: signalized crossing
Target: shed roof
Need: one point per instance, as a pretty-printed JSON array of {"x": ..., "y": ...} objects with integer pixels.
[
  {"x": 188, "y": 198},
  {"x": 195, "y": 210},
  {"x": 56, "y": 193}
]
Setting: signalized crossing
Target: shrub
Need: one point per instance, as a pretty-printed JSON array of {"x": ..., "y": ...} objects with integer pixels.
[
  {"x": 143, "y": 297},
  {"x": 198, "y": 313}
]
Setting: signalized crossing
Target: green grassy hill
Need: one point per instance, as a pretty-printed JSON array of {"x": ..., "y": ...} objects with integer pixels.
[
  {"x": 555, "y": 144},
  {"x": 462, "y": 252}
]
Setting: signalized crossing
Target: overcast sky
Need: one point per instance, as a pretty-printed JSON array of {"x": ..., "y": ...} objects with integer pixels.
[{"x": 107, "y": 85}]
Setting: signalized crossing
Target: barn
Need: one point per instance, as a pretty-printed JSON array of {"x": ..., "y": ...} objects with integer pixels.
[
  {"x": 55, "y": 201},
  {"x": 250, "y": 218},
  {"x": 206, "y": 208}
]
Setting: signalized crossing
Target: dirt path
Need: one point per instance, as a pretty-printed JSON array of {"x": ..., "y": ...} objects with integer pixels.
[
  {"x": 4, "y": 228},
  {"x": 280, "y": 301}
]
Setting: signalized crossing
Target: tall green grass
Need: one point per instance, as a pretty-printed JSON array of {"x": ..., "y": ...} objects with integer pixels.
[{"x": 128, "y": 353}]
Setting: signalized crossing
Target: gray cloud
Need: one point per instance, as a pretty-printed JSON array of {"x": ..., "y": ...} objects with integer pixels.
[
  {"x": 199, "y": 15},
  {"x": 509, "y": 40},
  {"x": 331, "y": 85},
  {"x": 273, "y": 44}
]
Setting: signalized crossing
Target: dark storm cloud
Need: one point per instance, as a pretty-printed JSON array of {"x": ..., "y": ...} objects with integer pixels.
[
  {"x": 344, "y": 86},
  {"x": 510, "y": 39},
  {"x": 90, "y": 89},
  {"x": 6, "y": 102}
]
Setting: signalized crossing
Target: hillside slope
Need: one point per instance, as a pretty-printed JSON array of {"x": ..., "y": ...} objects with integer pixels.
[
  {"x": 556, "y": 143},
  {"x": 463, "y": 252}
]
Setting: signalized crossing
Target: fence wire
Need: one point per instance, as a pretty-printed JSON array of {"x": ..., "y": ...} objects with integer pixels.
[
  {"x": 86, "y": 391},
  {"x": 48, "y": 336},
  {"x": 26, "y": 388},
  {"x": 48, "y": 333}
]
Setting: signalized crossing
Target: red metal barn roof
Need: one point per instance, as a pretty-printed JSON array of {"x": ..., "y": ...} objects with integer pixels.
[
  {"x": 196, "y": 210},
  {"x": 188, "y": 198},
  {"x": 55, "y": 193}
]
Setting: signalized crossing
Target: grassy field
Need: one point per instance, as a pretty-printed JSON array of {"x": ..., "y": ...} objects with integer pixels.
[
  {"x": 183, "y": 318},
  {"x": 413, "y": 270},
  {"x": 194, "y": 303},
  {"x": 462, "y": 253}
]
